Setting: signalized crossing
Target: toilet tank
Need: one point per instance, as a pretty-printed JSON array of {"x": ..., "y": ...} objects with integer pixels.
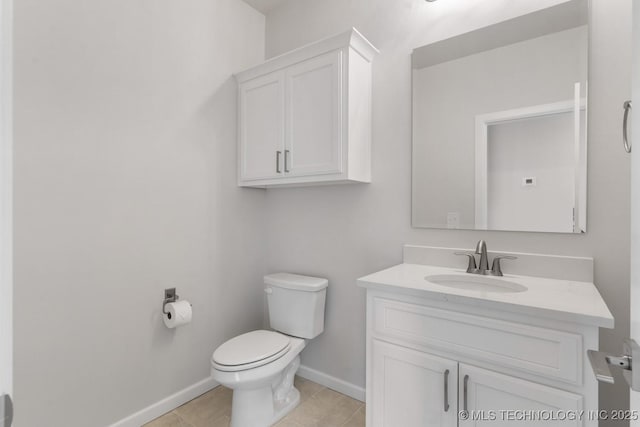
[{"x": 296, "y": 304}]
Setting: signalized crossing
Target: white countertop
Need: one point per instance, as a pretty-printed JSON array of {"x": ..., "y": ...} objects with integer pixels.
[{"x": 572, "y": 301}]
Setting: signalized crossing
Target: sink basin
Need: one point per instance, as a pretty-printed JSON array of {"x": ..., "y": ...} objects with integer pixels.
[{"x": 475, "y": 283}]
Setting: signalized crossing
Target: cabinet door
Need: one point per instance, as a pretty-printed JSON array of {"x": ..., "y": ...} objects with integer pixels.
[
  {"x": 496, "y": 399},
  {"x": 261, "y": 111},
  {"x": 409, "y": 388},
  {"x": 314, "y": 116}
]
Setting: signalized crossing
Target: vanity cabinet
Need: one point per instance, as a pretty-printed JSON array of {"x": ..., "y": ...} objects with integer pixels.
[
  {"x": 429, "y": 359},
  {"x": 415, "y": 389},
  {"x": 507, "y": 349},
  {"x": 305, "y": 117}
]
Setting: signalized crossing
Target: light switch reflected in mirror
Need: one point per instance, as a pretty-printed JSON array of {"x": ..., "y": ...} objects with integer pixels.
[{"x": 499, "y": 125}]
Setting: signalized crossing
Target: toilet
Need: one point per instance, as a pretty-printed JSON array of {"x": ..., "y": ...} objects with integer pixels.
[{"x": 259, "y": 366}]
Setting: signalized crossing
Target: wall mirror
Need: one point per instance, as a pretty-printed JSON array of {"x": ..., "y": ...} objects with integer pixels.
[{"x": 499, "y": 125}]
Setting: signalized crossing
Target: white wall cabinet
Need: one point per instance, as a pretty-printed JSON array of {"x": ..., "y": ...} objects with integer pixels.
[
  {"x": 305, "y": 117},
  {"x": 262, "y": 101},
  {"x": 423, "y": 354}
]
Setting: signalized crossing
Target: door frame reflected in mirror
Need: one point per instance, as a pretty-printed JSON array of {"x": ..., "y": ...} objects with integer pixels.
[{"x": 577, "y": 106}]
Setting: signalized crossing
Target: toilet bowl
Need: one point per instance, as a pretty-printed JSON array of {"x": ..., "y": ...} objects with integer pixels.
[
  {"x": 260, "y": 366},
  {"x": 263, "y": 389}
]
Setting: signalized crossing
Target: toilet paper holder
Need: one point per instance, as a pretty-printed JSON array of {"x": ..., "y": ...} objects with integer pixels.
[{"x": 169, "y": 296}]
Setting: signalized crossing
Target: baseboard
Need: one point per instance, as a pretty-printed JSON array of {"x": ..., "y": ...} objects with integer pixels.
[
  {"x": 170, "y": 403},
  {"x": 333, "y": 383},
  {"x": 167, "y": 404}
]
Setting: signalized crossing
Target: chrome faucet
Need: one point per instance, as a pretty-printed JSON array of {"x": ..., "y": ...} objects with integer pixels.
[
  {"x": 483, "y": 266},
  {"x": 481, "y": 249}
]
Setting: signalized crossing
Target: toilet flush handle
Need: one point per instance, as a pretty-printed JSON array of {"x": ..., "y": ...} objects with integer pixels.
[{"x": 268, "y": 291}]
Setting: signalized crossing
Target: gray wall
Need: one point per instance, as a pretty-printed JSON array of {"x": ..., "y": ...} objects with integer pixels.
[
  {"x": 124, "y": 185},
  {"x": 344, "y": 232}
]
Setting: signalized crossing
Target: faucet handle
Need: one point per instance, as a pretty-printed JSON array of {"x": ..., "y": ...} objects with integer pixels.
[
  {"x": 471, "y": 268},
  {"x": 496, "y": 269}
]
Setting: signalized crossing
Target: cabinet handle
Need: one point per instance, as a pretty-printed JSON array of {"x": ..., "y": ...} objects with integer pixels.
[
  {"x": 278, "y": 161},
  {"x": 625, "y": 138},
  {"x": 286, "y": 161},
  {"x": 446, "y": 390},
  {"x": 464, "y": 396}
]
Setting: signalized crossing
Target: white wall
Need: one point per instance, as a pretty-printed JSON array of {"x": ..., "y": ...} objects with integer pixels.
[
  {"x": 344, "y": 232},
  {"x": 125, "y": 185},
  {"x": 448, "y": 97},
  {"x": 539, "y": 147}
]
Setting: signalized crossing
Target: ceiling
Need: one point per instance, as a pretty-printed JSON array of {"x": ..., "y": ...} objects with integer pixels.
[{"x": 264, "y": 6}]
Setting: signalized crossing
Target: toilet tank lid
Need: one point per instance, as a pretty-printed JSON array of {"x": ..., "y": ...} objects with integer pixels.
[{"x": 296, "y": 281}]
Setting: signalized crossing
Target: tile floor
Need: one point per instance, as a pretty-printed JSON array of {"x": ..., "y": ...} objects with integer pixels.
[{"x": 319, "y": 406}]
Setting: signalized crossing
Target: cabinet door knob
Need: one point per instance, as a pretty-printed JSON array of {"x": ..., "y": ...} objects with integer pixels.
[
  {"x": 446, "y": 390},
  {"x": 278, "y": 153}
]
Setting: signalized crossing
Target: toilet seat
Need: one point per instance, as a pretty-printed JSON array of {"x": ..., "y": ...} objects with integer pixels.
[{"x": 250, "y": 350}]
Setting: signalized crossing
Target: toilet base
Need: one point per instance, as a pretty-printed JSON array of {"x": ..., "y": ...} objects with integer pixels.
[
  {"x": 265, "y": 406},
  {"x": 293, "y": 401}
]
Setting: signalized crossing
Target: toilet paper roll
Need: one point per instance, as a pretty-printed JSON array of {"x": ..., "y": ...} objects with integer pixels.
[{"x": 178, "y": 313}]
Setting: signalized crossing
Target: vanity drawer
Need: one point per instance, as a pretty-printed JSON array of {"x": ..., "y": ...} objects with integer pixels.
[{"x": 543, "y": 352}]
